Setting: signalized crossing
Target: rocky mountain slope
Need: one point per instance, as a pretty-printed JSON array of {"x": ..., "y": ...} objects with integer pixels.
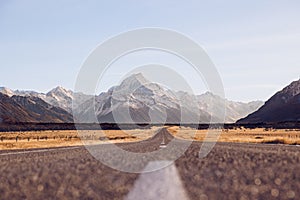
[
  {"x": 141, "y": 101},
  {"x": 282, "y": 107},
  {"x": 59, "y": 96},
  {"x": 234, "y": 110},
  {"x": 16, "y": 109}
]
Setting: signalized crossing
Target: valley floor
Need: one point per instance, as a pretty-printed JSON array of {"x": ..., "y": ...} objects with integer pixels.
[
  {"x": 64, "y": 138},
  {"x": 241, "y": 135}
]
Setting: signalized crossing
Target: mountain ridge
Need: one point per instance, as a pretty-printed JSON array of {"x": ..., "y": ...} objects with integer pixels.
[
  {"x": 25, "y": 109},
  {"x": 147, "y": 100},
  {"x": 145, "y": 94},
  {"x": 283, "y": 106}
]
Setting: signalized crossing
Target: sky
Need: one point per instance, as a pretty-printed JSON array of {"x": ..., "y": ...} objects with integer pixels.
[{"x": 254, "y": 45}]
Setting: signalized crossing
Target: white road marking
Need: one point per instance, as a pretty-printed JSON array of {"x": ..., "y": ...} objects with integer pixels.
[
  {"x": 162, "y": 184},
  {"x": 163, "y": 144},
  {"x": 37, "y": 151}
]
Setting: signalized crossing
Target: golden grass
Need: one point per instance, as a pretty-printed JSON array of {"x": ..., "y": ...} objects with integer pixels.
[
  {"x": 60, "y": 138},
  {"x": 241, "y": 135}
]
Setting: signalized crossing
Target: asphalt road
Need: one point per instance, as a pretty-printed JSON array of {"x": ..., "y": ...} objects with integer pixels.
[{"x": 230, "y": 171}]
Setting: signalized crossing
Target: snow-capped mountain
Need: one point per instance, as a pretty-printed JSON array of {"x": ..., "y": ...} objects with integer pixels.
[
  {"x": 138, "y": 100},
  {"x": 234, "y": 110},
  {"x": 59, "y": 96},
  {"x": 141, "y": 101},
  {"x": 16, "y": 109},
  {"x": 6, "y": 91}
]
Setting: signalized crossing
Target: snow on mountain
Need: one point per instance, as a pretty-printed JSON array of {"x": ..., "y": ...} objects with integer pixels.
[
  {"x": 142, "y": 101},
  {"x": 234, "y": 110},
  {"x": 59, "y": 96},
  {"x": 16, "y": 109},
  {"x": 6, "y": 91},
  {"x": 60, "y": 93}
]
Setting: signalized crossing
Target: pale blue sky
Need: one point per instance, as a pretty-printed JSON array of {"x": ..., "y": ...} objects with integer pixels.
[{"x": 255, "y": 45}]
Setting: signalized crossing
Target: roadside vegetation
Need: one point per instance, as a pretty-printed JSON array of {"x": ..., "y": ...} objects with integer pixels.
[
  {"x": 242, "y": 135},
  {"x": 59, "y": 138}
]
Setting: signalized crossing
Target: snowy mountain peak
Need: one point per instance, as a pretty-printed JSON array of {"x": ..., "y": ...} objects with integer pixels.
[
  {"x": 58, "y": 97},
  {"x": 209, "y": 94},
  {"x": 135, "y": 80},
  {"x": 6, "y": 91},
  {"x": 60, "y": 92},
  {"x": 58, "y": 89},
  {"x": 135, "y": 84}
]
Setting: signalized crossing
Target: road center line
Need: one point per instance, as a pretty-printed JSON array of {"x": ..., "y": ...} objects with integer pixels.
[{"x": 161, "y": 184}]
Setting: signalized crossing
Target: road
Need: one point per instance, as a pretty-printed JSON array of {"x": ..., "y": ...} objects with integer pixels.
[{"x": 230, "y": 171}]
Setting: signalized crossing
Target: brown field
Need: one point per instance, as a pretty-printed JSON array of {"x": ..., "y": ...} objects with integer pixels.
[
  {"x": 60, "y": 138},
  {"x": 63, "y": 138},
  {"x": 242, "y": 135}
]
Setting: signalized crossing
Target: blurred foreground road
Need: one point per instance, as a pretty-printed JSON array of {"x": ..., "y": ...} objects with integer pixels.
[{"x": 230, "y": 171}]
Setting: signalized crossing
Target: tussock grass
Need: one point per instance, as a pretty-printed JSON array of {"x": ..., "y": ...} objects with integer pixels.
[
  {"x": 243, "y": 135},
  {"x": 59, "y": 138}
]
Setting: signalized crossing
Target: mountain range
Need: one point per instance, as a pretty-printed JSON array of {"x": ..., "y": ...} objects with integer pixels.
[
  {"x": 284, "y": 106},
  {"x": 151, "y": 102},
  {"x": 144, "y": 101},
  {"x": 58, "y": 97},
  {"x": 17, "y": 109}
]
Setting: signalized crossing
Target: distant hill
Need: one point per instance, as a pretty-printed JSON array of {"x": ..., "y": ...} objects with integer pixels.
[
  {"x": 284, "y": 106},
  {"x": 16, "y": 109}
]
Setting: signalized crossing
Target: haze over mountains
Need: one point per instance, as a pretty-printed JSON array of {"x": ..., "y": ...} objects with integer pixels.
[
  {"x": 284, "y": 106},
  {"x": 136, "y": 97}
]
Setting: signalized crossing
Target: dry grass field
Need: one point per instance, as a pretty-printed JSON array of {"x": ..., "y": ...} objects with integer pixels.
[
  {"x": 242, "y": 135},
  {"x": 60, "y": 138},
  {"x": 63, "y": 138}
]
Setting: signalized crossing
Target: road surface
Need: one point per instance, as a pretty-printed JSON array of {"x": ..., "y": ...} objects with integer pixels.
[{"x": 230, "y": 171}]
